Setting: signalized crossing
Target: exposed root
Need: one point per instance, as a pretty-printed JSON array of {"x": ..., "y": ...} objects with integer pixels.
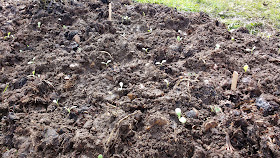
[
  {"x": 228, "y": 147},
  {"x": 115, "y": 130}
]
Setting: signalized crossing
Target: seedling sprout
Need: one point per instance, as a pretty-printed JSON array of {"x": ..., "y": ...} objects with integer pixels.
[
  {"x": 56, "y": 102},
  {"x": 107, "y": 63},
  {"x": 69, "y": 109},
  {"x": 8, "y": 35},
  {"x": 250, "y": 50},
  {"x": 145, "y": 49},
  {"x": 183, "y": 120},
  {"x": 121, "y": 86},
  {"x": 167, "y": 82},
  {"x": 126, "y": 18},
  {"x": 161, "y": 63},
  {"x": 32, "y": 61},
  {"x": 179, "y": 38},
  {"x": 6, "y": 88},
  {"x": 150, "y": 30},
  {"x": 178, "y": 111},
  {"x": 216, "y": 109},
  {"x": 39, "y": 24},
  {"x": 246, "y": 68},
  {"x": 218, "y": 46},
  {"x": 100, "y": 156}
]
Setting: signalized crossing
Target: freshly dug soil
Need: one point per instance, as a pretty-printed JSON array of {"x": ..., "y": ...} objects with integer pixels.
[{"x": 62, "y": 66}]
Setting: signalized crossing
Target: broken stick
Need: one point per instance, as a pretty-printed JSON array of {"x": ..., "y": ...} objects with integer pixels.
[{"x": 234, "y": 80}]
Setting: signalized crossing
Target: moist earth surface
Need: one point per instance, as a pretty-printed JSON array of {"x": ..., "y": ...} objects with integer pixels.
[{"x": 75, "y": 84}]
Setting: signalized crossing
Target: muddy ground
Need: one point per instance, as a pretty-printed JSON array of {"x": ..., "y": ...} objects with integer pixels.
[{"x": 61, "y": 95}]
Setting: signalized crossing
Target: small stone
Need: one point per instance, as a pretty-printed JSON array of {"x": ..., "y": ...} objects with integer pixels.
[
  {"x": 131, "y": 96},
  {"x": 154, "y": 93},
  {"x": 92, "y": 65},
  {"x": 192, "y": 113},
  {"x": 74, "y": 65},
  {"x": 266, "y": 107},
  {"x": 77, "y": 38},
  {"x": 88, "y": 124},
  {"x": 12, "y": 116},
  {"x": 49, "y": 135}
]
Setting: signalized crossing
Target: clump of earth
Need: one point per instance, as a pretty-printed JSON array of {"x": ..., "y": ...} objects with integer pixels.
[{"x": 75, "y": 84}]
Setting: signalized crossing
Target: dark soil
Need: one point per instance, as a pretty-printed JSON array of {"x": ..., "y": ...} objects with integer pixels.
[{"x": 61, "y": 60}]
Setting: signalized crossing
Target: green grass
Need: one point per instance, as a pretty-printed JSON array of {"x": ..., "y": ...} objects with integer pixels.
[{"x": 256, "y": 15}]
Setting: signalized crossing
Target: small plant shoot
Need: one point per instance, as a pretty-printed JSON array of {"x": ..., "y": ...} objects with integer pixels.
[
  {"x": 121, "y": 86},
  {"x": 161, "y": 63},
  {"x": 56, "y": 102},
  {"x": 167, "y": 82},
  {"x": 250, "y": 50},
  {"x": 32, "y": 61},
  {"x": 216, "y": 109},
  {"x": 218, "y": 46},
  {"x": 106, "y": 63},
  {"x": 178, "y": 112},
  {"x": 179, "y": 38},
  {"x": 126, "y": 18},
  {"x": 39, "y": 24},
  {"x": 6, "y": 88},
  {"x": 8, "y": 35},
  {"x": 183, "y": 120},
  {"x": 145, "y": 49},
  {"x": 69, "y": 109},
  {"x": 100, "y": 156},
  {"x": 246, "y": 68}
]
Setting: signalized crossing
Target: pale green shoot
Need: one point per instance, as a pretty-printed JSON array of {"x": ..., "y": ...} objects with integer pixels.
[
  {"x": 107, "y": 63},
  {"x": 121, "y": 86},
  {"x": 178, "y": 112},
  {"x": 56, "y": 102},
  {"x": 32, "y": 61},
  {"x": 216, "y": 109},
  {"x": 246, "y": 68},
  {"x": 69, "y": 109},
  {"x": 250, "y": 50},
  {"x": 6, "y": 88},
  {"x": 218, "y": 46},
  {"x": 161, "y": 63},
  {"x": 145, "y": 49},
  {"x": 167, "y": 82},
  {"x": 179, "y": 38},
  {"x": 39, "y": 24}
]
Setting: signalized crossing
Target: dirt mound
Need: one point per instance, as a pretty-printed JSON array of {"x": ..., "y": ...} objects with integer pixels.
[{"x": 74, "y": 84}]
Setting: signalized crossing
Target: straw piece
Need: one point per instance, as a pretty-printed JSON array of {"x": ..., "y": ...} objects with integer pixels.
[
  {"x": 234, "y": 80},
  {"x": 110, "y": 12}
]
